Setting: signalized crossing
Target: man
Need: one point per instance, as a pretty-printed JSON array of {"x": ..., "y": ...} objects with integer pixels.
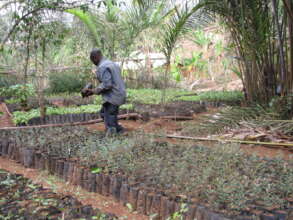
[{"x": 112, "y": 89}]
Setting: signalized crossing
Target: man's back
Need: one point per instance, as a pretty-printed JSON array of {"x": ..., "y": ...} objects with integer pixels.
[{"x": 117, "y": 95}]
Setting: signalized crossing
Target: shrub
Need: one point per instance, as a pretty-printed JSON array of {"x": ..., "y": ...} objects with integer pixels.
[
  {"x": 18, "y": 93},
  {"x": 66, "y": 82},
  {"x": 7, "y": 81}
]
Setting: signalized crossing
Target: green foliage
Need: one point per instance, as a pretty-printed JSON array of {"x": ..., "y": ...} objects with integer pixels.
[
  {"x": 224, "y": 177},
  {"x": 153, "y": 96},
  {"x": 179, "y": 215},
  {"x": 19, "y": 93},
  {"x": 196, "y": 61},
  {"x": 88, "y": 20},
  {"x": 175, "y": 73},
  {"x": 219, "y": 48},
  {"x": 200, "y": 38},
  {"x": 96, "y": 170},
  {"x": 179, "y": 22},
  {"x": 66, "y": 82},
  {"x": 7, "y": 81},
  {"x": 216, "y": 96},
  {"x": 175, "y": 70}
]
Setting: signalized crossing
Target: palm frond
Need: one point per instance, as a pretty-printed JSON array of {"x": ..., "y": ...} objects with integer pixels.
[
  {"x": 88, "y": 20},
  {"x": 179, "y": 22}
]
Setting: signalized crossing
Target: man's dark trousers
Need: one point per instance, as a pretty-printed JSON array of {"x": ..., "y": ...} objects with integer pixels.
[{"x": 109, "y": 113}]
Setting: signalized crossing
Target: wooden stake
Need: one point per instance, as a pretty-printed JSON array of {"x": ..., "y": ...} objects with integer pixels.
[{"x": 177, "y": 117}]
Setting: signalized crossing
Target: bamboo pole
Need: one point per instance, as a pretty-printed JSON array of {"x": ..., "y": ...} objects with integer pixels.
[
  {"x": 177, "y": 117},
  {"x": 125, "y": 116},
  {"x": 271, "y": 144}
]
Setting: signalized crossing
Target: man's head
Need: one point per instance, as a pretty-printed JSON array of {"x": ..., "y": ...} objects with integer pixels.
[{"x": 96, "y": 56}]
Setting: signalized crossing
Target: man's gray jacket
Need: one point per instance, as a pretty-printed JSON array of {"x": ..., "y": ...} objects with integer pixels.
[{"x": 112, "y": 86}]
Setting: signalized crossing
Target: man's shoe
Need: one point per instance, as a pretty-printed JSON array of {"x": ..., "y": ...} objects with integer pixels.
[{"x": 120, "y": 130}]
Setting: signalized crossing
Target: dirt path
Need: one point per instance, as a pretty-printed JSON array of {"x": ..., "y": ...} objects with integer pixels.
[
  {"x": 105, "y": 204},
  {"x": 5, "y": 119}
]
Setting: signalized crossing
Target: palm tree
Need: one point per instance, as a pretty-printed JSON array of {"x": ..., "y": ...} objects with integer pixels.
[
  {"x": 180, "y": 20},
  {"x": 113, "y": 28}
]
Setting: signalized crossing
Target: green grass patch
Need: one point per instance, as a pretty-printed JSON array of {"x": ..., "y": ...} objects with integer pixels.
[
  {"x": 215, "y": 96},
  {"x": 154, "y": 96}
]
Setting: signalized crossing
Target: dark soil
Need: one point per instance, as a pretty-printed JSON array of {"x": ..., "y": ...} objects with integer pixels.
[{"x": 21, "y": 199}]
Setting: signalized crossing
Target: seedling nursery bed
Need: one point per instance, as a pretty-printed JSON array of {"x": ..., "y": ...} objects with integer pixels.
[
  {"x": 157, "y": 178},
  {"x": 175, "y": 109},
  {"x": 23, "y": 200}
]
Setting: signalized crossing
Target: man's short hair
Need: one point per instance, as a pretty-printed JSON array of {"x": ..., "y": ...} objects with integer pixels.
[{"x": 95, "y": 52}]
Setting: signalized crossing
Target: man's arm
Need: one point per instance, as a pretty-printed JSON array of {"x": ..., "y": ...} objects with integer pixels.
[{"x": 105, "y": 85}]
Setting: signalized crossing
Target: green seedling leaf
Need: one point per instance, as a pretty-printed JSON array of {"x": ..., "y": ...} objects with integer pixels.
[
  {"x": 152, "y": 216},
  {"x": 129, "y": 206},
  {"x": 96, "y": 170},
  {"x": 32, "y": 186}
]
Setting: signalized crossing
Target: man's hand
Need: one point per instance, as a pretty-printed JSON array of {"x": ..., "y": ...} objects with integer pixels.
[{"x": 86, "y": 92}]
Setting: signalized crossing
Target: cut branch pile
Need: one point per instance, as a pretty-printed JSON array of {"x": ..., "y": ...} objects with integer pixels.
[{"x": 217, "y": 139}]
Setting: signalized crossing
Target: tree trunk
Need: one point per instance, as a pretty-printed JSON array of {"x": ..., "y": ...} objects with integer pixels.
[
  {"x": 27, "y": 55},
  {"x": 281, "y": 47},
  {"x": 41, "y": 86},
  {"x": 165, "y": 83}
]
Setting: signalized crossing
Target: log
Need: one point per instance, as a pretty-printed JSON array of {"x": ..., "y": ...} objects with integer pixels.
[
  {"x": 177, "y": 117},
  {"x": 125, "y": 116},
  {"x": 271, "y": 144}
]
